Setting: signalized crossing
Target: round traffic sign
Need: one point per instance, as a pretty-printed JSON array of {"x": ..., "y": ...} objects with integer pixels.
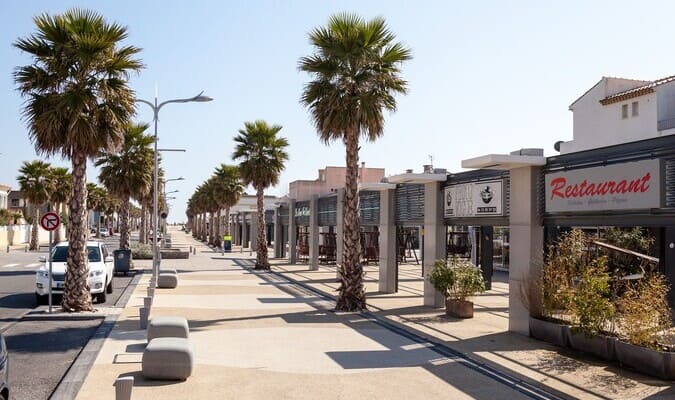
[{"x": 50, "y": 221}]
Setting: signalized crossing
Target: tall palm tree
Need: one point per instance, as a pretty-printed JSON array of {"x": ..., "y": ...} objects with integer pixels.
[
  {"x": 96, "y": 203},
  {"x": 261, "y": 154},
  {"x": 128, "y": 172},
  {"x": 231, "y": 189},
  {"x": 356, "y": 74},
  {"x": 62, "y": 188},
  {"x": 78, "y": 103},
  {"x": 36, "y": 186}
]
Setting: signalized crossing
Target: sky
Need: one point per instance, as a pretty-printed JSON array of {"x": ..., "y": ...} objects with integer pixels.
[{"x": 487, "y": 77}]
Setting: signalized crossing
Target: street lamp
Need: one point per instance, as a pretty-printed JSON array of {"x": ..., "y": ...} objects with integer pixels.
[{"x": 200, "y": 98}]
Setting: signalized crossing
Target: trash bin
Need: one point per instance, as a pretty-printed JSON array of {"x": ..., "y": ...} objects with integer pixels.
[
  {"x": 122, "y": 263},
  {"x": 227, "y": 243}
]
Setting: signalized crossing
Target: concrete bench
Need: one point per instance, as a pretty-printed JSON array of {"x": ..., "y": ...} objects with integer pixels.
[
  {"x": 167, "y": 280},
  {"x": 168, "y": 270},
  {"x": 168, "y": 327},
  {"x": 168, "y": 358}
]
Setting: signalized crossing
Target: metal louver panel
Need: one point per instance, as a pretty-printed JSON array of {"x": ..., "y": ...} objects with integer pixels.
[
  {"x": 369, "y": 208},
  {"x": 670, "y": 182},
  {"x": 328, "y": 211},
  {"x": 410, "y": 203},
  {"x": 301, "y": 213},
  {"x": 269, "y": 216},
  {"x": 283, "y": 215}
]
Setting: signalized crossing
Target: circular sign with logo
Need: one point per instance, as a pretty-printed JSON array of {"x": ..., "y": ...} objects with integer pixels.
[{"x": 50, "y": 221}]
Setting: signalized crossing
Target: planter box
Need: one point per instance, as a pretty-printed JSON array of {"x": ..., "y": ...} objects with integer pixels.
[
  {"x": 549, "y": 331},
  {"x": 599, "y": 345},
  {"x": 459, "y": 308},
  {"x": 174, "y": 254},
  {"x": 653, "y": 362}
]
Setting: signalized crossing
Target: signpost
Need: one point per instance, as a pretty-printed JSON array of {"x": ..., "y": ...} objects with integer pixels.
[{"x": 49, "y": 222}]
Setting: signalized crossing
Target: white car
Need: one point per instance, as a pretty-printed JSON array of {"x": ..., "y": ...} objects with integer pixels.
[{"x": 100, "y": 272}]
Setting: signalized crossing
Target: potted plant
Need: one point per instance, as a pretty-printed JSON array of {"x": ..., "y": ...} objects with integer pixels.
[{"x": 458, "y": 280}]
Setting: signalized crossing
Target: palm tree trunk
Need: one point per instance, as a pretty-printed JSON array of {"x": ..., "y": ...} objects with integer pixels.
[
  {"x": 212, "y": 229},
  {"x": 98, "y": 224},
  {"x": 57, "y": 231},
  {"x": 218, "y": 235},
  {"x": 124, "y": 224},
  {"x": 141, "y": 230},
  {"x": 227, "y": 221},
  {"x": 352, "y": 296},
  {"x": 34, "y": 233},
  {"x": 204, "y": 226},
  {"x": 261, "y": 252},
  {"x": 76, "y": 295}
]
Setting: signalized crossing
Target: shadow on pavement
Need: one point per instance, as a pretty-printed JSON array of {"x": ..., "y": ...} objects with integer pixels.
[{"x": 18, "y": 300}]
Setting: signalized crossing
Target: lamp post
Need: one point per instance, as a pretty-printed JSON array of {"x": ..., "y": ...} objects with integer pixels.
[{"x": 155, "y": 110}]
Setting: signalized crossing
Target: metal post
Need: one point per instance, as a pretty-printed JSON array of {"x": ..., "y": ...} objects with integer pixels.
[
  {"x": 155, "y": 258},
  {"x": 50, "y": 271}
]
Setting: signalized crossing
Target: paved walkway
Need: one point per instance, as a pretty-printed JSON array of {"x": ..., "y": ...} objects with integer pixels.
[{"x": 257, "y": 335}]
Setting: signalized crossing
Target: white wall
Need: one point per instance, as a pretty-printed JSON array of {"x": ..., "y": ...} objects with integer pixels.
[{"x": 596, "y": 125}]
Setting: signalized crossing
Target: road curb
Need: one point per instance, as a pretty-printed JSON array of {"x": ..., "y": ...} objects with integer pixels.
[{"x": 74, "y": 377}]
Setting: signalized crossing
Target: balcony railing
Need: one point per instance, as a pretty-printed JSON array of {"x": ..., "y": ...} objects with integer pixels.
[{"x": 666, "y": 124}]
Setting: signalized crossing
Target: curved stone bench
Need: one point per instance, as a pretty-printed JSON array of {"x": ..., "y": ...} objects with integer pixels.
[
  {"x": 168, "y": 358},
  {"x": 159, "y": 327},
  {"x": 167, "y": 280}
]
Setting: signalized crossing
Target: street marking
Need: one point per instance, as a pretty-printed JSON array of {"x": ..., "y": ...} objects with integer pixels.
[
  {"x": 9, "y": 265},
  {"x": 33, "y": 265}
]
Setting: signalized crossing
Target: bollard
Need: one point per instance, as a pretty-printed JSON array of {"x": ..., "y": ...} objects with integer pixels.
[
  {"x": 25, "y": 249},
  {"x": 123, "y": 387},
  {"x": 151, "y": 292},
  {"x": 8, "y": 248},
  {"x": 143, "y": 315},
  {"x": 190, "y": 249},
  {"x": 147, "y": 302}
]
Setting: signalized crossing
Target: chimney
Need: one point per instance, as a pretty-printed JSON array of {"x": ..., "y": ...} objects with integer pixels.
[
  {"x": 408, "y": 171},
  {"x": 428, "y": 169},
  {"x": 363, "y": 171}
]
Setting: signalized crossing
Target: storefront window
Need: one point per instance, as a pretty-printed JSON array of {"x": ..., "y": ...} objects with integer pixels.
[{"x": 500, "y": 248}]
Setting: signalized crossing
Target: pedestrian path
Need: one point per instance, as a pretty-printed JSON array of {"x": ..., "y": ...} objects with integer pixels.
[{"x": 259, "y": 336}]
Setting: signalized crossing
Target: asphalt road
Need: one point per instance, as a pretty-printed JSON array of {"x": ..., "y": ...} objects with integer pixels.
[{"x": 41, "y": 351}]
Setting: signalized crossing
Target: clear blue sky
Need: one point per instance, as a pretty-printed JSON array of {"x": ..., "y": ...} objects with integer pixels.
[{"x": 487, "y": 77}]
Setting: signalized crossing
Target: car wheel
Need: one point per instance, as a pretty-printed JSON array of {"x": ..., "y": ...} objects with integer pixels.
[
  {"x": 101, "y": 297},
  {"x": 109, "y": 288},
  {"x": 41, "y": 300}
]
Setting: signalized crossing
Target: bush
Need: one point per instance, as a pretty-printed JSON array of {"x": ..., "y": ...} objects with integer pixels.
[
  {"x": 141, "y": 251},
  {"x": 565, "y": 260},
  {"x": 590, "y": 303},
  {"x": 458, "y": 279},
  {"x": 645, "y": 313}
]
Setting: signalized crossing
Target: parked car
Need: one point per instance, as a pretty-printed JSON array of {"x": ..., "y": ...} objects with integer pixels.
[
  {"x": 103, "y": 231},
  {"x": 100, "y": 272},
  {"x": 4, "y": 370}
]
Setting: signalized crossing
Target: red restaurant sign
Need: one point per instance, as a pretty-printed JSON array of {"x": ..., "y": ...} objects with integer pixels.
[{"x": 633, "y": 185}]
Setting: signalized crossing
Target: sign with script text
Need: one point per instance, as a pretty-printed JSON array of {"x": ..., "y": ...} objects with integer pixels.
[
  {"x": 474, "y": 200},
  {"x": 626, "y": 186}
]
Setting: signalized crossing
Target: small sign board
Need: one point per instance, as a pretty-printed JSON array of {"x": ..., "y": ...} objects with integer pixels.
[
  {"x": 478, "y": 199},
  {"x": 50, "y": 221}
]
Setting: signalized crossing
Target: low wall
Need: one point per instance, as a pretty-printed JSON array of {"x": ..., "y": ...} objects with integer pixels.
[{"x": 13, "y": 235}]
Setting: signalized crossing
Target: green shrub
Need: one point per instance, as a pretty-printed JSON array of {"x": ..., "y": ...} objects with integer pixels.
[
  {"x": 141, "y": 251},
  {"x": 457, "y": 279},
  {"x": 590, "y": 303},
  {"x": 565, "y": 259}
]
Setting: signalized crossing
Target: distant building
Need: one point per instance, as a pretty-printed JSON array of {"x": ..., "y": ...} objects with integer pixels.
[
  {"x": 330, "y": 180},
  {"x": 4, "y": 196},
  {"x": 618, "y": 110},
  {"x": 17, "y": 204}
]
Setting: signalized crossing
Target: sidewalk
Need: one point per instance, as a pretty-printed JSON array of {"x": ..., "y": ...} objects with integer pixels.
[
  {"x": 258, "y": 336},
  {"x": 485, "y": 338}
]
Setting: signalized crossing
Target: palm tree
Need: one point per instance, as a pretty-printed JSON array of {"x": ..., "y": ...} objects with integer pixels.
[
  {"x": 128, "y": 172},
  {"x": 78, "y": 103},
  {"x": 262, "y": 156},
  {"x": 36, "y": 185},
  {"x": 230, "y": 190},
  {"x": 356, "y": 74},
  {"x": 62, "y": 188},
  {"x": 95, "y": 202}
]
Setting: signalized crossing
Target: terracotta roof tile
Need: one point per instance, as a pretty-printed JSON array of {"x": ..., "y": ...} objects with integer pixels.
[{"x": 636, "y": 92}]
